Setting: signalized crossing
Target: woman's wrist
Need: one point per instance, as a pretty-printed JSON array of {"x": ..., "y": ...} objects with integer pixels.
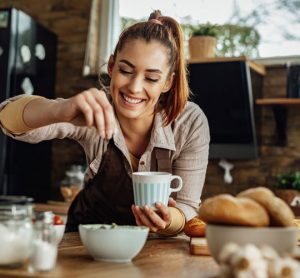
[{"x": 177, "y": 223}]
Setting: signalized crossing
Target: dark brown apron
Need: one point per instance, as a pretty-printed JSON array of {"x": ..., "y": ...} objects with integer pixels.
[{"x": 108, "y": 197}]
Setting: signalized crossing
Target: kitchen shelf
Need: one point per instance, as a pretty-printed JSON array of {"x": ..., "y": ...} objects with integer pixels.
[
  {"x": 279, "y": 106},
  {"x": 278, "y": 101}
]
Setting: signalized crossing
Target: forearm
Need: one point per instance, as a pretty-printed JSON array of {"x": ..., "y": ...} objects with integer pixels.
[{"x": 40, "y": 112}]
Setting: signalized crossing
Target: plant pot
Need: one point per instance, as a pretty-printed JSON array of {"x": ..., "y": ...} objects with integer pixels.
[{"x": 202, "y": 47}]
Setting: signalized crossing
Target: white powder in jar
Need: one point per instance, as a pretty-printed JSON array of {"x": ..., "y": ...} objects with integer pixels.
[
  {"x": 15, "y": 245},
  {"x": 43, "y": 256}
]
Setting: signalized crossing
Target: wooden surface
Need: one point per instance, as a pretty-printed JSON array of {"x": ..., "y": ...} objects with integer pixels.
[
  {"x": 56, "y": 207},
  {"x": 160, "y": 257},
  {"x": 255, "y": 66},
  {"x": 278, "y": 101}
]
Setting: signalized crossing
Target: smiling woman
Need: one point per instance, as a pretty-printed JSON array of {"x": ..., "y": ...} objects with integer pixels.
[{"x": 144, "y": 122}]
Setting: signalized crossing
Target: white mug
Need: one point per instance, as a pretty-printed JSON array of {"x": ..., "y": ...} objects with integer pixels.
[{"x": 152, "y": 187}]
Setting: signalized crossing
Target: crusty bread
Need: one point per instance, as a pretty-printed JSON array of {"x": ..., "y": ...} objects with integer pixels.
[
  {"x": 195, "y": 228},
  {"x": 226, "y": 209},
  {"x": 296, "y": 223},
  {"x": 279, "y": 211}
]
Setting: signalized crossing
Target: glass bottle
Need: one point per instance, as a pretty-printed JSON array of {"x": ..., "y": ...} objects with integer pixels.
[
  {"x": 16, "y": 230},
  {"x": 44, "y": 251}
]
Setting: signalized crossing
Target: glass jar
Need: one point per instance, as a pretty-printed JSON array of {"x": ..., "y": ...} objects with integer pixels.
[
  {"x": 44, "y": 251},
  {"x": 72, "y": 183},
  {"x": 16, "y": 230}
]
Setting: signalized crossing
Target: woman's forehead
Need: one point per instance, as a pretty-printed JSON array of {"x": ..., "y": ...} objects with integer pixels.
[{"x": 151, "y": 54}]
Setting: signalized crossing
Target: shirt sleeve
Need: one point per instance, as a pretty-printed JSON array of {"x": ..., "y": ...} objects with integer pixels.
[
  {"x": 177, "y": 223},
  {"x": 191, "y": 164},
  {"x": 11, "y": 117}
]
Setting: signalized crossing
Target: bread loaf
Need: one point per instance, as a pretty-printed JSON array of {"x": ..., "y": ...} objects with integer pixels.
[
  {"x": 279, "y": 211},
  {"x": 226, "y": 209},
  {"x": 195, "y": 228}
]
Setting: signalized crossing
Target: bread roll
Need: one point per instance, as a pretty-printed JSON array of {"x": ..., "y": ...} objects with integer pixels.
[
  {"x": 279, "y": 211},
  {"x": 226, "y": 209},
  {"x": 195, "y": 228}
]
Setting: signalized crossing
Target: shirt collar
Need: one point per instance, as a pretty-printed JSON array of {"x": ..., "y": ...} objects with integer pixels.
[{"x": 161, "y": 136}]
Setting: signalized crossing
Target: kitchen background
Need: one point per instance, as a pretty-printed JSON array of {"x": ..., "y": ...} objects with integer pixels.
[{"x": 69, "y": 20}]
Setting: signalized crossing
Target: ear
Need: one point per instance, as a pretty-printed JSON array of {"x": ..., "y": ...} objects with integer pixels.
[
  {"x": 168, "y": 83},
  {"x": 110, "y": 65}
]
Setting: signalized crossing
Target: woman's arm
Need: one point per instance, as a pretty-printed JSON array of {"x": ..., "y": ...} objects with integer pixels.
[
  {"x": 90, "y": 108},
  {"x": 191, "y": 164}
]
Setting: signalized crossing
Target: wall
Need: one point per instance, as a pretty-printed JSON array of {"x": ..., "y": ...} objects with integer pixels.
[
  {"x": 69, "y": 20},
  {"x": 273, "y": 159}
]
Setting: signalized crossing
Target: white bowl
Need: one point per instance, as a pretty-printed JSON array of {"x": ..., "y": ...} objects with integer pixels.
[
  {"x": 112, "y": 242},
  {"x": 282, "y": 239},
  {"x": 60, "y": 230}
]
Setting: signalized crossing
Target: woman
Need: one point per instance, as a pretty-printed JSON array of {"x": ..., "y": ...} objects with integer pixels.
[{"x": 145, "y": 123}]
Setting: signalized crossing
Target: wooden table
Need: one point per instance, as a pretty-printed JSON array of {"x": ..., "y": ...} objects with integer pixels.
[{"x": 160, "y": 257}]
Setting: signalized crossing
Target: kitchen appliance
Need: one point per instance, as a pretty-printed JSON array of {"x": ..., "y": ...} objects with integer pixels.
[
  {"x": 27, "y": 66},
  {"x": 225, "y": 90}
]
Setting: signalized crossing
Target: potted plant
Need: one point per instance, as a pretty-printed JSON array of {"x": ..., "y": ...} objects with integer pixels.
[
  {"x": 203, "y": 40},
  {"x": 288, "y": 187}
]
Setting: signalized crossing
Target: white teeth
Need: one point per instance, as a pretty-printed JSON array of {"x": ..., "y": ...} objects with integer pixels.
[{"x": 132, "y": 100}]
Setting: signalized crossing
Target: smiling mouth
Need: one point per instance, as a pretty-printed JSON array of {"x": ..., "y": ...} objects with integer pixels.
[{"x": 131, "y": 100}]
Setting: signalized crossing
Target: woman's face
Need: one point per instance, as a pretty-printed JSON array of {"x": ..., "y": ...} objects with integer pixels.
[{"x": 139, "y": 75}]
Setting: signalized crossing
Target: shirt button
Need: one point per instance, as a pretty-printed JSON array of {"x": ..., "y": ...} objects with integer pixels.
[{"x": 142, "y": 163}]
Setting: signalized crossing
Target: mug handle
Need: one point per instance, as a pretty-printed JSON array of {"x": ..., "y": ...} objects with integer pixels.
[{"x": 179, "y": 186}]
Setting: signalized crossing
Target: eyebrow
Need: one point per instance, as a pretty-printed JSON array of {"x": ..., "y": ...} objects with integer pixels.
[{"x": 131, "y": 65}]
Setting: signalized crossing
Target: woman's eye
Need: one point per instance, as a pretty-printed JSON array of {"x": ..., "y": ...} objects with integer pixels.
[
  {"x": 151, "y": 79},
  {"x": 125, "y": 71}
]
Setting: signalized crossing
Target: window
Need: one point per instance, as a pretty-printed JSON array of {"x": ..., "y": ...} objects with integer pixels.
[{"x": 277, "y": 21}]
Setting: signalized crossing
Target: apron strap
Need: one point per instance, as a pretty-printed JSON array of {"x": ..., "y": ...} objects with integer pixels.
[{"x": 163, "y": 159}]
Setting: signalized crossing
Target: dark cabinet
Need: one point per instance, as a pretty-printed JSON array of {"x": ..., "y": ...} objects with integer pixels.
[{"x": 226, "y": 90}]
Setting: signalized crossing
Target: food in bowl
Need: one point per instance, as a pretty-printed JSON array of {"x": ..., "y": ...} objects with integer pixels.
[
  {"x": 245, "y": 219},
  {"x": 113, "y": 243},
  {"x": 59, "y": 227},
  {"x": 282, "y": 239}
]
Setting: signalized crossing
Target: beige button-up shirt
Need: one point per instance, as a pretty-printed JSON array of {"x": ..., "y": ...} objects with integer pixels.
[{"x": 187, "y": 139}]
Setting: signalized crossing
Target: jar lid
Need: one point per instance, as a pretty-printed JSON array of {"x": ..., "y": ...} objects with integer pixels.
[{"x": 15, "y": 200}]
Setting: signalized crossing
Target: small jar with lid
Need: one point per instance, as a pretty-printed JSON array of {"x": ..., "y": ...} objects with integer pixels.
[
  {"x": 44, "y": 252},
  {"x": 16, "y": 230}
]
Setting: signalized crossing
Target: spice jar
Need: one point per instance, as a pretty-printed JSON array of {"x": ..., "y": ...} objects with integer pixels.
[
  {"x": 44, "y": 252},
  {"x": 72, "y": 183},
  {"x": 16, "y": 230}
]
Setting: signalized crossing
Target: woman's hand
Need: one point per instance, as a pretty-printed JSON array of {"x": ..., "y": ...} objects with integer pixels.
[
  {"x": 91, "y": 108},
  {"x": 155, "y": 220}
]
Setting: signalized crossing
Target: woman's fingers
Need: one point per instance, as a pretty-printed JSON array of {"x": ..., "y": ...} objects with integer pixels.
[
  {"x": 142, "y": 219},
  {"x": 155, "y": 220},
  {"x": 97, "y": 111},
  {"x": 171, "y": 202},
  {"x": 84, "y": 108},
  {"x": 108, "y": 113}
]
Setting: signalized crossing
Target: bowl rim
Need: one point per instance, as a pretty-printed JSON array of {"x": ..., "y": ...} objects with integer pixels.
[
  {"x": 96, "y": 227},
  {"x": 269, "y": 228}
]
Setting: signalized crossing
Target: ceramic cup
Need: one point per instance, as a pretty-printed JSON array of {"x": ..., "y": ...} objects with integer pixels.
[{"x": 152, "y": 187}]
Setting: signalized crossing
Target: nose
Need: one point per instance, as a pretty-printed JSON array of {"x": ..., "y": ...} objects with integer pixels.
[{"x": 136, "y": 84}]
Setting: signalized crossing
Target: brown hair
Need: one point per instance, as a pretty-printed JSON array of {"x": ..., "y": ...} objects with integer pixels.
[{"x": 168, "y": 32}]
